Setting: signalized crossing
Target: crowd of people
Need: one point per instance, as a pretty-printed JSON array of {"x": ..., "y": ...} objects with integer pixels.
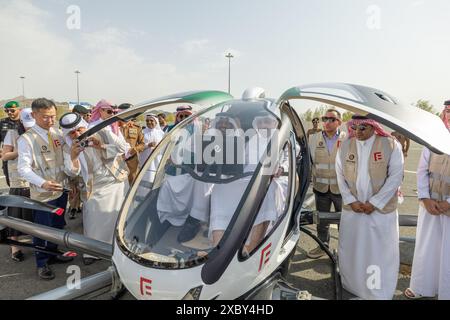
[
  {"x": 359, "y": 171},
  {"x": 43, "y": 159}
]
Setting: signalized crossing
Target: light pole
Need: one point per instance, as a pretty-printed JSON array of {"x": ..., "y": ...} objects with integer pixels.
[
  {"x": 229, "y": 56},
  {"x": 23, "y": 87},
  {"x": 78, "y": 87}
]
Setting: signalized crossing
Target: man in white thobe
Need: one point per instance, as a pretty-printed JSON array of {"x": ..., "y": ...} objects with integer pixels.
[
  {"x": 369, "y": 168},
  {"x": 105, "y": 175},
  {"x": 430, "y": 274}
]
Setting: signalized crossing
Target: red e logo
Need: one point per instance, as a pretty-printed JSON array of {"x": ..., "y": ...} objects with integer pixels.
[
  {"x": 377, "y": 156},
  {"x": 146, "y": 289},
  {"x": 265, "y": 256}
]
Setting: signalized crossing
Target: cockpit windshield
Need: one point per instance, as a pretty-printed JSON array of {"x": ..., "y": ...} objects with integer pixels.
[{"x": 189, "y": 189}]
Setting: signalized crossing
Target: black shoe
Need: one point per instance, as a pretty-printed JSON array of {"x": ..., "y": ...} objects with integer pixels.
[
  {"x": 190, "y": 230},
  {"x": 88, "y": 260},
  {"x": 18, "y": 256},
  {"x": 72, "y": 214},
  {"x": 45, "y": 273},
  {"x": 59, "y": 260},
  {"x": 79, "y": 210}
]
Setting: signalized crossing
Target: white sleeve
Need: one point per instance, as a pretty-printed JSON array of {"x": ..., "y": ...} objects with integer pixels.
[
  {"x": 347, "y": 197},
  {"x": 69, "y": 169},
  {"x": 116, "y": 144},
  {"x": 8, "y": 141},
  {"x": 423, "y": 175},
  {"x": 394, "y": 179},
  {"x": 123, "y": 145},
  {"x": 25, "y": 163}
]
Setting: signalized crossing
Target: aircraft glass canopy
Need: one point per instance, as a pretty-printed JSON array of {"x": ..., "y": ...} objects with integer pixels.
[{"x": 188, "y": 191}]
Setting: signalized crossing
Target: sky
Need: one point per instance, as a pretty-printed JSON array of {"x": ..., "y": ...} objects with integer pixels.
[{"x": 132, "y": 51}]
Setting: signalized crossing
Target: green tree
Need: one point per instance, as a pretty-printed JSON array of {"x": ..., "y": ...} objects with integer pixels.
[
  {"x": 317, "y": 113},
  {"x": 307, "y": 116},
  {"x": 347, "y": 116},
  {"x": 426, "y": 105}
]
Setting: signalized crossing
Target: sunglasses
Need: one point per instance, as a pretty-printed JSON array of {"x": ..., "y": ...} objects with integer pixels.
[
  {"x": 111, "y": 111},
  {"x": 328, "y": 119},
  {"x": 361, "y": 127},
  {"x": 10, "y": 110},
  {"x": 183, "y": 116}
]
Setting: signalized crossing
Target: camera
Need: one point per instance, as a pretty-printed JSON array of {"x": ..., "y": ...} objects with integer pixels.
[{"x": 85, "y": 143}]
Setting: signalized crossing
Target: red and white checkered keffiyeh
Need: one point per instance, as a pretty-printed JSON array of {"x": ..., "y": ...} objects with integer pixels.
[
  {"x": 103, "y": 104},
  {"x": 378, "y": 128}
]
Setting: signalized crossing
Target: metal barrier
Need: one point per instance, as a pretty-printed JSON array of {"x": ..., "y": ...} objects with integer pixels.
[
  {"x": 99, "y": 281},
  {"x": 64, "y": 238}
]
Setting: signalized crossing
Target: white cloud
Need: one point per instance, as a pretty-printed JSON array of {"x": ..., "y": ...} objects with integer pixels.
[
  {"x": 110, "y": 67},
  {"x": 116, "y": 71},
  {"x": 28, "y": 48},
  {"x": 418, "y": 3},
  {"x": 194, "y": 46}
]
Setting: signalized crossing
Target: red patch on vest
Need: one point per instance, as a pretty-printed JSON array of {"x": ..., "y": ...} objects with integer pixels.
[
  {"x": 57, "y": 143},
  {"x": 338, "y": 144},
  {"x": 377, "y": 156}
]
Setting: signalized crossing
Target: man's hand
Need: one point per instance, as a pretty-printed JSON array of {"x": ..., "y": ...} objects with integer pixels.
[
  {"x": 152, "y": 145},
  {"x": 75, "y": 150},
  {"x": 52, "y": 186},
  {"x": 444, "y": 206},
  {"x": 95, "y": 143},
  {"x": 357, "y": 207},
  {"x": 279, "y": 172},
  {"x": 432, "y": 207},
  {"x": 368, "y": 208}
]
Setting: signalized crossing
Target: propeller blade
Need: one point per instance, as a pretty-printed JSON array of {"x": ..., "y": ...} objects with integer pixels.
[{"x": 27, "y": 203}]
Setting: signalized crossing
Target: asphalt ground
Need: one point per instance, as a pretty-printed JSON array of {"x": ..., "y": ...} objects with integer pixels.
[{"x": 20, "y": 280}]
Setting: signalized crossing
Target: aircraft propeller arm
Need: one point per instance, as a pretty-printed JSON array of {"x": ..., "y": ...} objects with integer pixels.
[
  {"x": 202, "y": 98},
  {"x": 421, "y": 126},
  {"x": 27, "y": 203}
]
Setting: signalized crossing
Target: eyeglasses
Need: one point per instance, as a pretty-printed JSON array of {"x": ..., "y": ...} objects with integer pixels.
[
  {"x": 328, "y": 119},
  {"x": 361, "y": 127},
  {"x": 10, "y": 110},
  {"x": 48, "y": 118}
]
